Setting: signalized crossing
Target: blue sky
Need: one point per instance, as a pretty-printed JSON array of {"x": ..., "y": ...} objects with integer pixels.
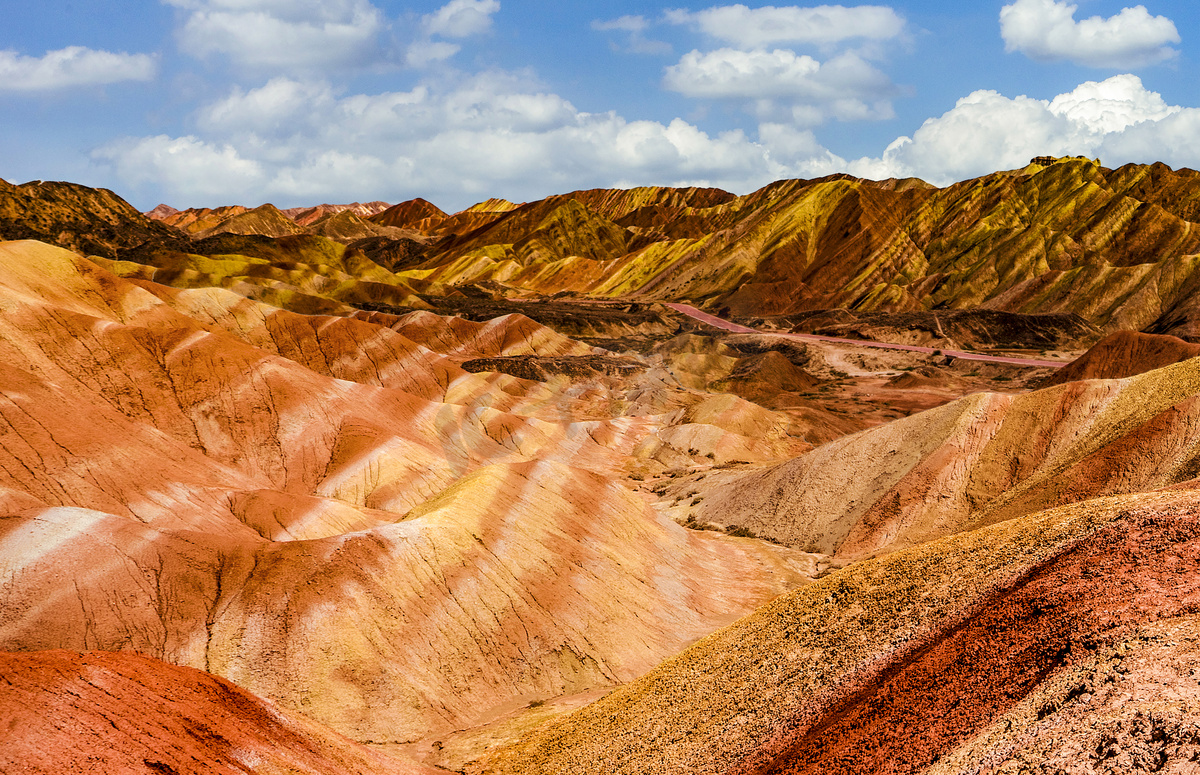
[{"x": 207, "y": 102}]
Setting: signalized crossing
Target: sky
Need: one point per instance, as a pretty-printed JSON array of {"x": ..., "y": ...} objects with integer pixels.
[{"x": 199, "y": 103}]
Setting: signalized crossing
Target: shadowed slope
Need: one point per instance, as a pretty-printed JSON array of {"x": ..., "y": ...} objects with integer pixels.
[
  {"x": 124, "y": 713},
  {"x": 89, "y": 220},
  {"x": 890, "y": 665}
]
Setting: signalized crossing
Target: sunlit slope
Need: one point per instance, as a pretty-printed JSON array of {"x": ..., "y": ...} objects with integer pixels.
[
  {"x": 1058, "y": 239},
  {"x": 109, "y": 347},
  {"x": 1112, "y": 246},
  {"x": 300, "y": 504},
  {"x": 981, "y": 459},
  {"x": 963, "y": 649}
]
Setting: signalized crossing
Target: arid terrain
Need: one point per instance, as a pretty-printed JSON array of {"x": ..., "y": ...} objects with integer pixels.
[{"x": 839, "y": 476}]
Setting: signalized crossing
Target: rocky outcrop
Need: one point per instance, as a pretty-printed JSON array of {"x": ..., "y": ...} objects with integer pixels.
[
  {"x": 975, "y": 329},
  {"x": 88, "y": 220}
]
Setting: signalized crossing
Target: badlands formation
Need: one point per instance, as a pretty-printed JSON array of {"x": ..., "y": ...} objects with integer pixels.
[{"x": 839, "y": 476}]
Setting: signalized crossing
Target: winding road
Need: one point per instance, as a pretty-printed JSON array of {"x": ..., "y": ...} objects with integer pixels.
[{"x": 717, "y": 322}]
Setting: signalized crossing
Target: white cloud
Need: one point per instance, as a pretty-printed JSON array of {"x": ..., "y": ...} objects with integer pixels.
[
  {"x": 456, "y": 19},
  {"x": 846, "y": 87},
  {"x": 624, "y": 23},
  {"x": 295, "y": 141},
  {"x": 71, "y": 66},
  {"x": 768, "y": 25},
  {"x": 461, "y": 18},
  {"x": 728, "y": 73},
  {"x": 211, "y": 171},
  {"x": 275, "y": 35},
  {"x": 423, "y": 53},
  {"x": 635, "y": 27},
  {"x": 1047, "y": 30},
  {"x": 1117, "y": 120},
  {"x": 1110, "y": 106}
]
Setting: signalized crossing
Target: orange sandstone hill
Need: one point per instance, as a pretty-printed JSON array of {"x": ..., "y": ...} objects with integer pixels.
[
  {"x": 334, "y": 514},
  {"x": 123, "y": 713},
  {"x": 1066, "y": 640},
  {"x": 357, "y": 488},
  {"x": 1125, "y": 353}
]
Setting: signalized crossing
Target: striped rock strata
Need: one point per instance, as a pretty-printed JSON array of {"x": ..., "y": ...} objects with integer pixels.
[
  {"x": 1069, "y": 637},
  {"x": 981, "y": 459},
  {"x": 329, "y": 512}
]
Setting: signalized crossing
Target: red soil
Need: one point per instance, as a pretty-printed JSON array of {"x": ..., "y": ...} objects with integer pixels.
[
  {"x": 1139, "y": 570},
  {"x": 1125, "y": 354},
  {"x": 101, "y": 712}
]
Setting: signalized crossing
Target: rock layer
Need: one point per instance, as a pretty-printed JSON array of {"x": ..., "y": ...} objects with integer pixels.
[
  {"x": 896, "y": 664},
  {"x": 333, "y": 513},
  {"x": 981, "y": 459}
]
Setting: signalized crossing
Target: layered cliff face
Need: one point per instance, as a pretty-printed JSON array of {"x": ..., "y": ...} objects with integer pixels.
[{"x": 1115, "y": 247}]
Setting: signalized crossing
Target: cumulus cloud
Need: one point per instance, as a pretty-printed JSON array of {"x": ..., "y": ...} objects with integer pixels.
[
  {"x": 276, "y": 35},
  {"x": 1046, "y": 30},
  {"x": 423, "y": 53},
  {"x": 846, "y": 87},
  {"x": 461, "y": 18},
  {"x": 777, "y": 83},
  {"x": 1118, "y": 120},
  {"x": 69, "y": 67},
  {"x": 211, "y": 170},
  {"x": 296, "y": 140},
  {"x": 823, "y": 25}
]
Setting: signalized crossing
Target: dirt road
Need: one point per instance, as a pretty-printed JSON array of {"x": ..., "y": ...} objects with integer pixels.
[{"x": 717, "y": 322}]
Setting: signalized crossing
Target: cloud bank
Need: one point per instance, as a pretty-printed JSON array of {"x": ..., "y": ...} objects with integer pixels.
[
  {"x": 1117, "y": 120},
  {"x": 1046, "y": 30},
  {"x": 295, "y": 140},
  {"x": 297, "y": 136}
]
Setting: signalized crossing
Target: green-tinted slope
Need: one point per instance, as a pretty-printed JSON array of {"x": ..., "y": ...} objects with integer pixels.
[{"x": 307, "y": 274}]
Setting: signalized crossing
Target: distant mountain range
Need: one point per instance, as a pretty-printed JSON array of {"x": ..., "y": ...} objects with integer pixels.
[{"x": 1116, "y": 247}]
